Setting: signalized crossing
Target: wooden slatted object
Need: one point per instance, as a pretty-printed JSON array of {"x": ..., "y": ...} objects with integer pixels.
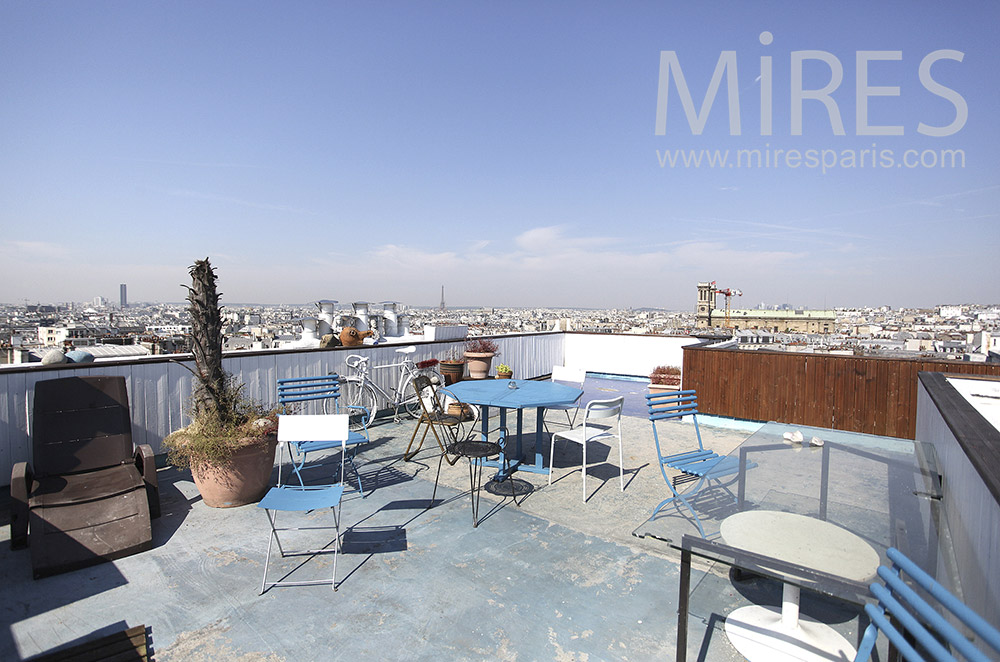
[{"x": 125, "y": 646}]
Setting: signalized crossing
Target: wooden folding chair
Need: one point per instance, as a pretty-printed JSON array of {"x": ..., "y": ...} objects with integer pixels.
[{"x": 433, "y": 418}]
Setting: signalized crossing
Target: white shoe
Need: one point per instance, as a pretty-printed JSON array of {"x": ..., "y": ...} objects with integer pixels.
[{"x": 793, "y": 437}]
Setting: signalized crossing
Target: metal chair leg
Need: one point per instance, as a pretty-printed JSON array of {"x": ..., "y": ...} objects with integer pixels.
[
  {"x": 436, "y": 479},
  {"x": 354, "y": 468},
  {"x": 475, "y": 486},
  {"x": 407, "y": 455},
  {"x": 275, "y": 539},
  {"x": 513, "y": 491}
]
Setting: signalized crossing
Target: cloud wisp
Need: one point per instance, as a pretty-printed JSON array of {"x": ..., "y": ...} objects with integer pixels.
[{"x": 212, "y": 197}]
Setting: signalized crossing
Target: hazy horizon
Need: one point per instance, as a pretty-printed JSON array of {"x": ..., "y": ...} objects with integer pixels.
[{"x": 342, "y": 305}]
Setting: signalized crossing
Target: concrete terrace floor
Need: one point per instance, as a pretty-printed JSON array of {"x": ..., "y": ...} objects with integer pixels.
[{"x": 555, "y": 578}]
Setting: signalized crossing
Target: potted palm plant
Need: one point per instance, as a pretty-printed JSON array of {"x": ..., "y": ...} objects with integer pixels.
[
  {"x": 480, "y": 352},
  {"x": 229, "y": 445}
]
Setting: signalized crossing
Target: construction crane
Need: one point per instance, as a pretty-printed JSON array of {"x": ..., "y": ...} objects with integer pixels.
[{"x": 728, "y": 293}]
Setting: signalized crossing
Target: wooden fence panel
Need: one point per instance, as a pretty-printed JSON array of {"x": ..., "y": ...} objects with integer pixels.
[{"x": 867, "y": 394}]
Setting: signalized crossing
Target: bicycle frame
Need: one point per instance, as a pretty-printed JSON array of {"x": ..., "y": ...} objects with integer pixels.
[
  {"x": 407, "y": 369},
  {"x": 400, "y": 396}
]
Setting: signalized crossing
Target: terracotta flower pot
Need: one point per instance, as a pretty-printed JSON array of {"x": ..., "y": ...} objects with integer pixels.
[
  {"x": 462, "y": 410},
  {"x": 504, "y": 375},
  {"x": 452, "y": 371},
  {"x": 479, "y": 364},
  {"x": 243, "y": 479},
  {"x": 668, "y": 384}
]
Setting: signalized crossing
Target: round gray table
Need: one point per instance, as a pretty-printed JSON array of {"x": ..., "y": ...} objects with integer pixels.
[{"x": 766, "y": 634}]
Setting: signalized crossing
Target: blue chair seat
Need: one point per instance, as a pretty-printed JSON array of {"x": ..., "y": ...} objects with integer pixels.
[
  {"x": 687, "y": 456},
  {"x": 715, "y": 465},
  {"x": 295, "y": 498},
  {"x": 353, "y": 439}
]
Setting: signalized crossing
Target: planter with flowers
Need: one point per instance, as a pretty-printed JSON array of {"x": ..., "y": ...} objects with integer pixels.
[
  {"x": 665, "y": 378},
  {"x": 504, "y": 371},
  {"x": 479, "y": 352}
]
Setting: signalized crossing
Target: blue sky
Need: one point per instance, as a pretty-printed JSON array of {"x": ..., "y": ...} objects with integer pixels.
[{"x": 372, "y": 151}]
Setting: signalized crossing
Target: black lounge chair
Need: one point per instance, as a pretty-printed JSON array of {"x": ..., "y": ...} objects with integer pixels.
[{"x": 88, "y": 494}]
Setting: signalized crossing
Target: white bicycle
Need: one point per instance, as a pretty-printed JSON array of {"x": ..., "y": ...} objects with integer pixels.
[{"x": 358, "y": 389}]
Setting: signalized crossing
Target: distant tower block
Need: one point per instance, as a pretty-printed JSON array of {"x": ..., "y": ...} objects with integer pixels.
[
  {"x": 123, "y": 295},
  {"x": 442, "y": 299},
  {"x": 706, "y": 302}
]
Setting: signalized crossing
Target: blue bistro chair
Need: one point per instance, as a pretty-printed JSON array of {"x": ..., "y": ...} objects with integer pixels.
[
  {"x": 702, "y": 464},
  {"x": 304, "y": 499},
  {"x": 910, "y": 621},
  {"x": 327, "y": 390}
]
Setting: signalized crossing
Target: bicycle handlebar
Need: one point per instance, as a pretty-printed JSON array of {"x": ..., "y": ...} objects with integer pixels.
[{"x": 354, "y": 360}]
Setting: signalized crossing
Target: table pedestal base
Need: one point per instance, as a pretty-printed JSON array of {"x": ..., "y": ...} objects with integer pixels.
[{"x": 759, "y": 635}]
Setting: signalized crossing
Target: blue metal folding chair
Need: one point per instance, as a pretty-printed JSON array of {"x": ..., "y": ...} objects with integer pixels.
[
  {"x": 303, "y": 499},
  {"x": 911, "y": 622},
  {"x": 702, "y": 465},
  {"x": 327, "y": 390}
]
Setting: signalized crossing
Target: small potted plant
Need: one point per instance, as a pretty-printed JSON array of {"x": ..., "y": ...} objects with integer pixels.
[
  {"x": 665, "y": 378},
  {"x": 504, "y": 371},
  {"x": 230, "y": 443},
  {"x": 452, "y": 367},
  {"x": 480, "y": 352}
]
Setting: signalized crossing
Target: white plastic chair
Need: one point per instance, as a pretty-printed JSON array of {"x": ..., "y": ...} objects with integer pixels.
[
  {"x": 572, "y": 377},
  {"x": 589, "y": 431}
]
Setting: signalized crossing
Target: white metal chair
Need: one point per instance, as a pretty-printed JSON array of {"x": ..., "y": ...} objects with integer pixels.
[
  {"x": 572, "y": 377},
  {"x": 303, "y": 499},
  {"x": 604, "y": 411}
]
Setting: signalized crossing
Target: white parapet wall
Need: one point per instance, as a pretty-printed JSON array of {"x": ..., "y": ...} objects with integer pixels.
[
  {"x": 160, "y": 387},
  {"x": 624, "y": 354}
]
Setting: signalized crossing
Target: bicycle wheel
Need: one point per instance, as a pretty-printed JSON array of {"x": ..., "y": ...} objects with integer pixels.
[
  {"x": 358, "y": 394},
  {"x": 411, "y": 403}
]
